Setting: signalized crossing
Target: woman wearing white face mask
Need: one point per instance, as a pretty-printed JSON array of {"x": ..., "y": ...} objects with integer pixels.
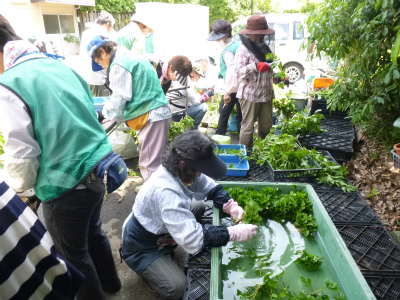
[{"x": 222, "y": 33}]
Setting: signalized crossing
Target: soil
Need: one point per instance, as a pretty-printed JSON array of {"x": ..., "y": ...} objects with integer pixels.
[{"x": 377, "y": 180}]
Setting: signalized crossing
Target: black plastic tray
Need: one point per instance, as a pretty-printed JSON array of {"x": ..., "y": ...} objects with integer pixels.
[
  {"x": 197, "y": 284},
  {"x": 282, "y": 175},
  {"x": 384, "y": 287},
  {"x": 338, "y": 126},
  {"x": 200, "y": 260},
  {"x": 372, "y": 247},
  {"x": 340, "y": 147},
  {"x": 348, "y": 208},
  {"x": 321, "y": 104}
]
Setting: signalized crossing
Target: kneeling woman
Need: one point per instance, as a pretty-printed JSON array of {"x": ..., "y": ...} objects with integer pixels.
[{"x": 165, "y": 211}]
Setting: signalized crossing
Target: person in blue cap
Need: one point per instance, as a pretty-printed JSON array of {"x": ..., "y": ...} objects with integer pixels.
[
  {"x": 137, "y": 98},
  {"x": 221, "y": 32},
  {"x": 167, "y": 209}
]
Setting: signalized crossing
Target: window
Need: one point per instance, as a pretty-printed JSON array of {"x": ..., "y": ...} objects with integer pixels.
[
  {"x": 298, "y": 32},
  {"x": 54, "y": 24},
  {"x": 281, "y": 30}
]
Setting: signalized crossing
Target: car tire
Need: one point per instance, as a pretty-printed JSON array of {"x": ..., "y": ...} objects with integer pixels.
[{"x": 294, "y": 71}]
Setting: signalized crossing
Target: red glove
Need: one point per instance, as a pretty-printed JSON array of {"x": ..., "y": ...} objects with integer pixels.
[
  {"x": 262, "y": 67},
  {"x": 287, "y": 81}
]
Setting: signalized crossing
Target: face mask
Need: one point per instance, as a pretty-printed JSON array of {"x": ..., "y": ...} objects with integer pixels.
[{"x": 221, "y": 43}]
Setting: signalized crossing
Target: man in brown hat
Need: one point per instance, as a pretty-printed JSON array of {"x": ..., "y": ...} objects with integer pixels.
[{"x": 255, "y": 91}]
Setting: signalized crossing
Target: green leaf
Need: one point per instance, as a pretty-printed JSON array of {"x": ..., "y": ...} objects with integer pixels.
[
  {"x": 387, "y": 78},
  {"x": 396, "y": 74},
  {"x": 380, "y": 100},
  {"x": 395, "y": 49},
  {"x": 378, "y": 4}
]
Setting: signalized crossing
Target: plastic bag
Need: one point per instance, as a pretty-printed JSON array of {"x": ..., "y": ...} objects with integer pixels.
[{"x": 123, "y": 143}]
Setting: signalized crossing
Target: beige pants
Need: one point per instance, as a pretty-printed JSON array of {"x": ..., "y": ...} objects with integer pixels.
[
  {"x": 153, "y": 140},
  {"x": 252, "y": 112}
]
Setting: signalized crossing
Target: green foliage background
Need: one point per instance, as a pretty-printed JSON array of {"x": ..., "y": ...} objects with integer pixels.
[
  {"x": 230, "y": 10},
  {"x": 365, "y": 37}
]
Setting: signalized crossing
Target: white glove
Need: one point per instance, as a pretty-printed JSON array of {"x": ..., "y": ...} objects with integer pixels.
[
  {"x": 233, "y": 209},
  {"x": 242, "y": 232}
]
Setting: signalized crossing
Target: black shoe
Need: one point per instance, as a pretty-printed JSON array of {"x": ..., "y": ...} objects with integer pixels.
[{"x": 112, "y": 286}]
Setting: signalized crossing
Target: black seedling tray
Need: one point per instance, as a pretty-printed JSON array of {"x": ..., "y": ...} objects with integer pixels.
[
  {"x": 200, "y": 260},
  {"x": 206, "y": 222},
  {"x": 321, "y": 104},
  {"x": 197, "y": 284},
  {"x": 208, "y": 212},
  {"x": 372, "y": 247},
  {"x": 340, "y": 147},
  {"x": 384, "y": 287},
  {"x": 285, "y": 175},
  {"x": 348, "y": 208}
]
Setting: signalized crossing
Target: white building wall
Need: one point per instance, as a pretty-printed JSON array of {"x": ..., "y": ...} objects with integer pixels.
[{"x": 26, "y": 19}]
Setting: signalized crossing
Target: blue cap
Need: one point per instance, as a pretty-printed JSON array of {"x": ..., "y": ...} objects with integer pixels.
[{"x": 92, "y": 46}]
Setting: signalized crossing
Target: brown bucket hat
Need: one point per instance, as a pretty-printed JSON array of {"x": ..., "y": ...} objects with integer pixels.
[{"x": 257, "y": 24}]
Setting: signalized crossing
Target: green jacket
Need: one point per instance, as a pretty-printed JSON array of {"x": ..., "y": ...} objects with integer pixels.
[
  {"x": 147, "y": 93},
  {"x": 233, "y": 48},
  {"x": 64, "y": 122}
]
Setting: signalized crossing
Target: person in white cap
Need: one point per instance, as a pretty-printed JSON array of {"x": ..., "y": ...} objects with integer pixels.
[
  {"x": 132, "y": 38},
  {"x": 103, "y": 25},
  {"x": 222, "y": 34},
  {"x": 147, "y": 32}
]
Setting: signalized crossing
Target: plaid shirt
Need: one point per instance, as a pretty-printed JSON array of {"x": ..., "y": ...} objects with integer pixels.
[{"x": 252, "y": 85}]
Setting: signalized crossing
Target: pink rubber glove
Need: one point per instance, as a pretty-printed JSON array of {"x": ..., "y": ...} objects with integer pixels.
[
  {"x": 233, "y": 209},
  {"x": 242, "y": 232}
]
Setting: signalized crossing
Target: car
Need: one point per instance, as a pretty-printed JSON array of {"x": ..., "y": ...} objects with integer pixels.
[{"x": 286, "y": 44}]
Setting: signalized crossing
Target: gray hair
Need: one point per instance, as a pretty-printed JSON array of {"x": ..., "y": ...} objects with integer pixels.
[{"x": 105, "y": 17}]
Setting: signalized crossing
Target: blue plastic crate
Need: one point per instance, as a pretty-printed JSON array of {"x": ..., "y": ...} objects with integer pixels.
[
  {"x": 240, "y": 168},
  {"x": 99, "y": 102},
  {"x": 232, "y": 147}
]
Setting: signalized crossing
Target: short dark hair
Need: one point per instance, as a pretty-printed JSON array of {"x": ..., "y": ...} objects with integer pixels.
[
  {"x": 108, "y": 47},
  {"x": 7, "y": 33},
  {"x": 191, "y": 144},
  {"x": 222, "y": 26},
  {"x": 181, "y": 64}
]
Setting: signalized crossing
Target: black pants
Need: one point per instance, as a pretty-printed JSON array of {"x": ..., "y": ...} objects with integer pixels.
[
  {"x": 224, "y": 113},
  {"x": 73, "y": 222}
]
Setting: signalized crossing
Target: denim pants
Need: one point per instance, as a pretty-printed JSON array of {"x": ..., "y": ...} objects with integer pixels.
[
  {"x": 73, "y": 222},
  {"x": 224, "y": 113},
  {"x": 196, "y": 112},
  {"x": 164, "y": 275}
]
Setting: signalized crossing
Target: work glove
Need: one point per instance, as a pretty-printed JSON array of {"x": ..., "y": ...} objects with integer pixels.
[
  {"x": 262, "y": 67},
  {"x": 242, "y": 232},
  {"x": 207, "y": 95},
  {"x": 287, "y": 81},
  {"x": 233, "y": 209}
]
